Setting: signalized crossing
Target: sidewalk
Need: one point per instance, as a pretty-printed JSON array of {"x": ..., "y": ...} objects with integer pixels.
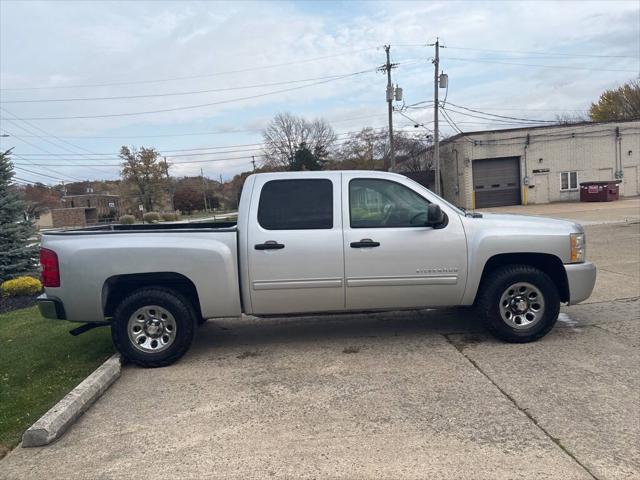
[{"x": 626, "y": 210}]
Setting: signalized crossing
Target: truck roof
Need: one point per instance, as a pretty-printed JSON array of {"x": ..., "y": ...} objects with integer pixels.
[{"x": 316, "y": 173}]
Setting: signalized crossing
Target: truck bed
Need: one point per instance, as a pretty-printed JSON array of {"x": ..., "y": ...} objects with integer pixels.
[{"x": 92, "y": 259}]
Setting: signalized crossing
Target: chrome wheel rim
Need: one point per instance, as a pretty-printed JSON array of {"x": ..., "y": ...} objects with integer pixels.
[
  {"x": 151, "y": 329},
  {"x": 522, "y": 305}
]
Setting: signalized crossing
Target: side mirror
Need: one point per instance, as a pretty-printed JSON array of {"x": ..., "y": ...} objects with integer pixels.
[{"x": 435, "y": 216}]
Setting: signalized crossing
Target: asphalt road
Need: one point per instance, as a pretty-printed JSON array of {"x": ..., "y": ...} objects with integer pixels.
[{"x": 403, "y": 395}]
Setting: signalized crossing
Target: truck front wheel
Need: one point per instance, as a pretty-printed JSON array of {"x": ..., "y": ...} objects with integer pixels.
[
  {"x": 153, "y": 327},
  {"x": 519, "y": 303}
]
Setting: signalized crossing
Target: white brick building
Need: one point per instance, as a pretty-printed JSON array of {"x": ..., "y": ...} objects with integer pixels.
[{"x": 539, "y": 164}]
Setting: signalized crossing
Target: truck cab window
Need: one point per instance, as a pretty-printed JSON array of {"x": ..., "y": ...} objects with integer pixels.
[
  {"x": 296, "y": 205},
  {"x": 375, "y": 203}
]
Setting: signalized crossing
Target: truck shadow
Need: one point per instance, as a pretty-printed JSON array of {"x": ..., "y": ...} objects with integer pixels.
[{"x": 254, "y": 332}]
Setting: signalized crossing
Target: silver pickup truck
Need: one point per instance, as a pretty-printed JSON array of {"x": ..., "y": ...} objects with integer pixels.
[{"x": 314, "y": 242}]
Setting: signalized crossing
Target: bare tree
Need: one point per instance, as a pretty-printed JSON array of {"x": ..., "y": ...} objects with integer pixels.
[
  {"x": 570, "y": 118},
  {"x": 412, "y": 152},
  {"x": 366, "y": 150},
  {"x": 285, "y": 134},
  {"x": 369, "y": 150}
]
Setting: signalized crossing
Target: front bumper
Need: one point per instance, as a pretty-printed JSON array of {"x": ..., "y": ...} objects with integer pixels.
[
  {"x": 581, "y": 278},
  {"x": 51, "y": 307}
]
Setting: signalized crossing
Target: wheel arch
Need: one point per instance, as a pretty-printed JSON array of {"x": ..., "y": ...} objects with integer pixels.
[
  {"x": 117, "y": 287},
  {"x": 548, "y": 263}
]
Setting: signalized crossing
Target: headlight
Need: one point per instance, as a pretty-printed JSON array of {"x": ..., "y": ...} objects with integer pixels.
[{"x": 578, "y": 247}]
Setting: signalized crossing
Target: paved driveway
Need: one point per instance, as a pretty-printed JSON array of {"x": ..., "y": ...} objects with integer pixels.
[
  {"x": 403, "y": 395},
  {"x": 587, "y": 213}
]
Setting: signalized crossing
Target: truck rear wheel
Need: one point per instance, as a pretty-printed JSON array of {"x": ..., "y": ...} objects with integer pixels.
[
  {"x": 519, "y": 303},
  {"x": 153, "y": 327}
]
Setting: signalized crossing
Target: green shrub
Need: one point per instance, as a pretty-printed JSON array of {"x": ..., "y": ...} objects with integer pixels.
[
  {"x": 170, "y": 216},
  {"x": 127, "y": 219},
  {"x": 21, "y": 286},
  {"x": 151, "y": 217}
]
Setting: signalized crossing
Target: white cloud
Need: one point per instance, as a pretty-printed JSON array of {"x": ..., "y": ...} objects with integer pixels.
[{"x": 57, "y": 43}]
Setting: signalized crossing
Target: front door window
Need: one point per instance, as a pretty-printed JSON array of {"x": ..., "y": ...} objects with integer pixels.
[{"x": 376, "y": 203}]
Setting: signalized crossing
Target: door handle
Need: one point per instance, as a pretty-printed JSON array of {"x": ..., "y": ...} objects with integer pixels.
[
  {"x": 365, "y": 243},
  {"x": 269, "y": 245}
]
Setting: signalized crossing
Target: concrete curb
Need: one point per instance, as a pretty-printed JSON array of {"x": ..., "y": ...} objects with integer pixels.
[{"x": 62, "y": 415}]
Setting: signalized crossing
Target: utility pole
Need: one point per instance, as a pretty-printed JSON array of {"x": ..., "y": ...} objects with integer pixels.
[
  {"x": 166, "y": 171},
  {"x": 436, "y": 135},
  {"x": 204, "y": 191},
  {"x": 253, "y": 162},
  {"x": 387, "y": 67}
]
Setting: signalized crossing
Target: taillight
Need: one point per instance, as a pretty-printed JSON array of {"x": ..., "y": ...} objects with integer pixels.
[{"x": 50, "y": 271}]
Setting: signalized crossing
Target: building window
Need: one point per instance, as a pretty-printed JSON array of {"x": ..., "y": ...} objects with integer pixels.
[{"x": 568, "y": 181}]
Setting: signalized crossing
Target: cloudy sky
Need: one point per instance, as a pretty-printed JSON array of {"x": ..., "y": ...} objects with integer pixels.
[{"x": 198, "y": 80}]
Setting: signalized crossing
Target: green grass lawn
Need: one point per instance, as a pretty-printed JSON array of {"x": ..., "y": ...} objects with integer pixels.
[{"x": 39, "y": 364}]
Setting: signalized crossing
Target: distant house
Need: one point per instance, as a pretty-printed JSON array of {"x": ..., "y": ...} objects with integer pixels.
[
  {"x": 105, "y": 205},
  {"x": 538, "y": 164},
  {"x": 83, "y": 210}
]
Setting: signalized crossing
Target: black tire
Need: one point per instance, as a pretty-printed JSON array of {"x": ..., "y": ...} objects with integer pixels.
[
  {"x": 492, "y": 290},
  {"x": 183, "y": 326}
]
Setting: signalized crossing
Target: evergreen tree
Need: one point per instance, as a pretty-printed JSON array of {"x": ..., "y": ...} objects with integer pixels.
[
  {"x": 16, "y": 257},
  {"x": 305, "y": 159}
]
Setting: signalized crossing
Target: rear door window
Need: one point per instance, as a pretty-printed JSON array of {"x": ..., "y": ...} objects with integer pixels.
[{"x": 296, "y": 205}]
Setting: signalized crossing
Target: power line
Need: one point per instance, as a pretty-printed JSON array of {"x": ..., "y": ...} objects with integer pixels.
[
  {"x": 493, "y": 119},
  {"x": 191, "y": 107},
  {"x": 453, "y": 125},
  {"x": 503, "y": 116},
  {"x": 24, "y": 182},
  {"x": 500, "y": 119},
  {"x": 189, "y": 77},
  {"x": 419, "y": 106},
  {"x": 482, "y": 60},
  {"x": 555, "y": 54},
  {"x": 171, "y": 94},
  {"x": 59, "y": 140},
  {"x": 220, "y": 132},
  {"x": 28, "y": 160},
  {"x": 59, "y": 177},
  {"x": 13, "y": 135},
  {"x": 115, "y": 155},
  {"x": 110, "y": 156},
  {"x": 186, "y": 162},
  {"x": 415, "y": 122},
  {"x": 121, "y": 137},
  {"x": 18, "y": 167}
]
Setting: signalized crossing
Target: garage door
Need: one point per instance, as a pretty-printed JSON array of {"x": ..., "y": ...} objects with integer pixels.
[{"x": 496, "y": 181}]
